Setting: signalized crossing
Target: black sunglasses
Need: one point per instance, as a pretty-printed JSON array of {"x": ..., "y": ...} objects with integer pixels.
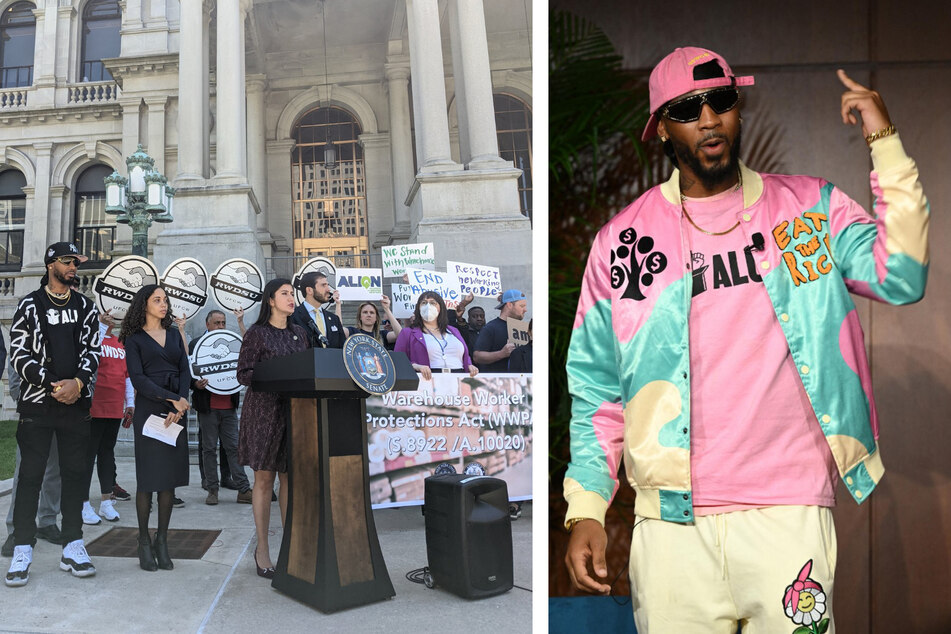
[{"x": 687, "y": 110}]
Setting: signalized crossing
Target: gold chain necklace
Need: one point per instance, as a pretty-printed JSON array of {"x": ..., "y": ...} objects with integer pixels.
[
  {"x": 60, "y": 296},
  {"x": 683, "y": 207}
]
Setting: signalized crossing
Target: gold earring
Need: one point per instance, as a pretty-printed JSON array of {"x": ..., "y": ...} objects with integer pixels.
[{"x": 663, "y": 139}]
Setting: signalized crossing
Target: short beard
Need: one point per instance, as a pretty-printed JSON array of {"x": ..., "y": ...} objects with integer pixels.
[
  {"x": 62, "y": 279},
  {"x": 710, "y": 177}
]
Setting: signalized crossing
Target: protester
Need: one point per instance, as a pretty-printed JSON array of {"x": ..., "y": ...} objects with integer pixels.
[
  {"x": 112, "y": 399},
  {"x": 473, "y": 327},
  {"x": 323, "y": 328},
  {"x": 262, "y": 440},
  {"x": 521, "y": 358},
  {"x": 736, "y": 406},
  {"x": 218, "y": 418},
  {"x": 158, "y": 366},
  {"x": 492, "y": 347},
  {"x": 431, "y": 343},
  {"x": 54, "y": 345},
  {"x": 368, "y": 321}
]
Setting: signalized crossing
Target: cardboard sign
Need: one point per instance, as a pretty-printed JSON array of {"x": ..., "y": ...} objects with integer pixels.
[
  {"x": 115, "y": 287},
  {"x": 398, "y": 258},
  {"x": 518, "y": 331},
  {"x": 215, "y": 357},
  {"x": 446, "y": 284},
  {"x": 360, "y": 284},
  {"x": 321, "y": 264},
  {"x": 186, "y": 283},
  {"x": 481, "y": 281},
  {"x": 237, "y": 284},
  {"x": 402, "y": 300}
]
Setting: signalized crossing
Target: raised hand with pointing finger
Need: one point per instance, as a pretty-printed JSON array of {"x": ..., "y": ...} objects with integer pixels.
[{"x": 867, "y": 103}]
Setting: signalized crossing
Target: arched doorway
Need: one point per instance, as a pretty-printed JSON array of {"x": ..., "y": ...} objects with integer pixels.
[{"x": 329, "y": 197}]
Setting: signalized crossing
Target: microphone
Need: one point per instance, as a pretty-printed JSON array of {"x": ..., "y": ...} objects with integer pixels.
[{"x": 759, "y": 243}]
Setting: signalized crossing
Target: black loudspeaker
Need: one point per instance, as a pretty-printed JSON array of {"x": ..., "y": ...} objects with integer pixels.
[{"x": 469, "y": 535}]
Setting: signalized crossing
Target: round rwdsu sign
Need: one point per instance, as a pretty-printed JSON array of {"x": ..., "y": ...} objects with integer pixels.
[
  {"x": 115, "y": 287},
  {"x": 237, "y": 284},
  {"x": 321, "y": 264},
  {"x": 215, "y": 358},
  {"x": 186, "y": 283}
]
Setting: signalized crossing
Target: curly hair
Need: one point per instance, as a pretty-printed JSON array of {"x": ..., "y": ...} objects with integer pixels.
[{"x": 135, "y": 316}]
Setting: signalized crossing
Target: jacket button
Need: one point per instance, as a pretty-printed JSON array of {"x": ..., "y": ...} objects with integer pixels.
[
  {"x": 686, "y": 513},
  {"x": 685, "y": 430},
  {"x": 764, "y": 265},
  {"x": 858, "y": 494},
  {"x": 686, "y": 497},
  {"x": 805, "y": 369}
]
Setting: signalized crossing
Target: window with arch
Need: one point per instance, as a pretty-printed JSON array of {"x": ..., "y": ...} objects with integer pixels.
[
  {"x": 12, "y": 219},
  {"x": 95, "y": 232},
  {"x": 100, "y": 38},
  {"x": 17, "y": 37},
  {"x": 513, "y": 124},
  {"x": 329, "y": 198}
]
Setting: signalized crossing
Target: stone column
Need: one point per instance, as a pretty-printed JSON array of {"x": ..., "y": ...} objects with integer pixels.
[
  {"x": 401, "y": 141},
  {"x": 46, "y": 229},
  {"x": 192, "y": 92},
  {"x": 230, "y": 115},
  {"x": 65, "y": 57},
  {"x": 280, "y": 193},
  {"x": 130, "y": 125},
  {"x": 156, "y": 133},
  {"x": 478, "y": 143},
  {"x": 429, "y": 87},
  {"x": 257, "y": 164},
  {"x": 44, "y": 58}
]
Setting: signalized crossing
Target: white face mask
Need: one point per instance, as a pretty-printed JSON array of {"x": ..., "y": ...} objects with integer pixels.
[{"x": 429, "y": 312}]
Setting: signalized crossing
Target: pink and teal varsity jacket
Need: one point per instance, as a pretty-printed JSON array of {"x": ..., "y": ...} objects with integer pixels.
[{"x": 629, "y": 357}]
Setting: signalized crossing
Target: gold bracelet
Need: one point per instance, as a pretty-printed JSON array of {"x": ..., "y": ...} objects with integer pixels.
[
  {"x": 79, "y": 383},
  {"x": 878, "y": 134},
  {"x": 570, "y": 524}
]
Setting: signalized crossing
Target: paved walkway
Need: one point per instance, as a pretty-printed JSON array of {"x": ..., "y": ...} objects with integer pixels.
[{"x": 222, "y": 593}]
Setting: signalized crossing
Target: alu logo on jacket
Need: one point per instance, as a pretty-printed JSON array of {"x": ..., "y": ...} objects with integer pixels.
[{"x": 635, "y": 263}]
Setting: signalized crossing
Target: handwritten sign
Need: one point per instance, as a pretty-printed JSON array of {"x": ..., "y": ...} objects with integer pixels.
[
  {"x": 402, "y": 300},
  {"x": 360, "y": 284},
  {"x": 518, "y": 331},
  {"x": 446, "y": 284},
  {"x": 398, "y": 258},
  {"x": 481, "y": 281}
]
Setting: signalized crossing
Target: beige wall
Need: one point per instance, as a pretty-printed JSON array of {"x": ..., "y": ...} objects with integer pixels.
[{"x": 894, "y": 570}]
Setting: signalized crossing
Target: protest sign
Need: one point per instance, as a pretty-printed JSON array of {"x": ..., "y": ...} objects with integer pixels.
[
  {"x": 518, "y": 331},
  {"x": 186, "y": 284},
  {"x": 451, "y": 418},
  {"x": 115, "y": 287},
  {"x": 399, "y": 257},
  {"x": 402, "y": 300},
  {"x": 215, "y": 357},
  {"x": 443, "y": 283},
  {"x": 321, "y": 264},
  {"x": 237, "y": 284},
  {"x": 481, "y": 281},
  {"x": 360, "y": 284}
]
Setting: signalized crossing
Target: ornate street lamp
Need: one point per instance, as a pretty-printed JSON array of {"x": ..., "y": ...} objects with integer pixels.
[{"x": 139, "y": 200}]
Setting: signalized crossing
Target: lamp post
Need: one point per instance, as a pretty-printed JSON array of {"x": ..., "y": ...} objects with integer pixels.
[{"x": 139, "y": 200}]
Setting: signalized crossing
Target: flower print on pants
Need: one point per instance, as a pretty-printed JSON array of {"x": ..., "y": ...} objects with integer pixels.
[{"x": 805, "y": 603}]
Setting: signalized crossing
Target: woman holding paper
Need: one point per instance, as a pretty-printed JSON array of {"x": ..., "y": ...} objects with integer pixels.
[
  {"x": 158, "y": 367},
  {"x": 431, "y": 343},
  {"x": 261, "y": 438},
  {"x": 368, "y": 321}
]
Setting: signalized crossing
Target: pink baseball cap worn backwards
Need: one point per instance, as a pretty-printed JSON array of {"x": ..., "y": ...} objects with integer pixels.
[{"x": 677, "y": 75}]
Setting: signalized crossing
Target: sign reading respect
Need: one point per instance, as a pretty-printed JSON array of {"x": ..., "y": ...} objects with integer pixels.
[{"x": 481, "y": 281}]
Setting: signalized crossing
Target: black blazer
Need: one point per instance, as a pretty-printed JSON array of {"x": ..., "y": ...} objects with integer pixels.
[{"x": 336, "y": 335}]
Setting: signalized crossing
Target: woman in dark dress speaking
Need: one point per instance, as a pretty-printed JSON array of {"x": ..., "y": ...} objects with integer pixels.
[
  {"x": 158, "y": 367},
  {"x": 261, "y": 441}
]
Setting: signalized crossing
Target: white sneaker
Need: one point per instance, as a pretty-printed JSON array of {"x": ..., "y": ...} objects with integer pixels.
[
  {"x": 19, "y": 572},
  {"x": 89, "y": 515},
  {"x": 76, "y": 560},
  {"x": 108, "y": 511}
]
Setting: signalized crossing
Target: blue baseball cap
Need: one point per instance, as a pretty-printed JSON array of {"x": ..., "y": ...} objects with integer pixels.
[{"x": 510, "y": 295}]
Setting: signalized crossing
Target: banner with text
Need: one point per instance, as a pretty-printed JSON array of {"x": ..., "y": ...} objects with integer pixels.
[
  {"x": 481, "y": 281},
  {"x": 453, "y": 418},
  {"x": 399, "y": 257},
  {"x": 402, "y": 300},
  {"x": 360, "y": 284},
  {"x": 446, "y": 284},
  {"x": 518, "y": 331}
]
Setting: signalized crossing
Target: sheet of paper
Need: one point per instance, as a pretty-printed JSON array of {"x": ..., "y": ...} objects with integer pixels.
[{"x": 154, "y": 427}]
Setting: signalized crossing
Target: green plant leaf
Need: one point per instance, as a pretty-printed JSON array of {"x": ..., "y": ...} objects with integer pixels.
[
  {"x": 823, "y": 626},
  {"x": 802, "y": 629}
]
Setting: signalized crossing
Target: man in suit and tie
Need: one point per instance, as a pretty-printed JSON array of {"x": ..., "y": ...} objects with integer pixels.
[{"x": 323, "y": 328}]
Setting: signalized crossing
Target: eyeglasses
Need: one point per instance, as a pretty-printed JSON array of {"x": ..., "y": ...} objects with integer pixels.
[
  {"x": 67, "y": 260},
  {"x": 687, "y": 110}
]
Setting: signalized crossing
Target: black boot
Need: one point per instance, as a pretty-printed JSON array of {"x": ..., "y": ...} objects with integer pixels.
[
  {"x": 146, "y": 559},
  {"x": 161, "y": 551}
]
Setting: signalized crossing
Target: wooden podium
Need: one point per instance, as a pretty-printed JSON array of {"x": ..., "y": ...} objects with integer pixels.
[{"x": 330, "y": 554}]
